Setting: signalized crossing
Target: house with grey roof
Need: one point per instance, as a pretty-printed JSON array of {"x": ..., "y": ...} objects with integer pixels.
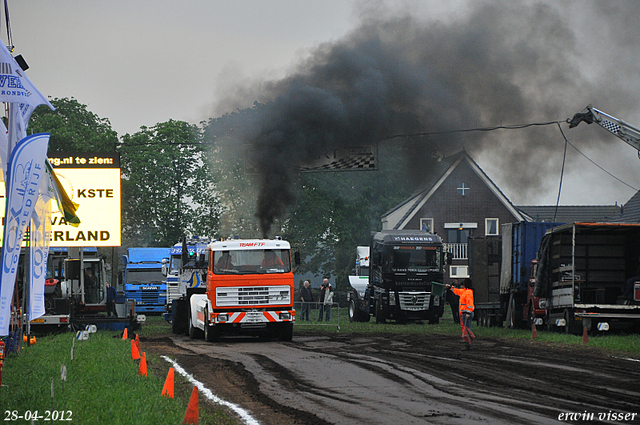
[{"x": 458, "y": 200}]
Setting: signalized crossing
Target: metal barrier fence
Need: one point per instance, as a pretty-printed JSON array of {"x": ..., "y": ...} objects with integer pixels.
[{"x": 317, "y": 314}]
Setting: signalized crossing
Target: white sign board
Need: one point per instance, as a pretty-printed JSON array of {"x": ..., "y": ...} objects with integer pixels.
[{"x": 93, "y": 182}]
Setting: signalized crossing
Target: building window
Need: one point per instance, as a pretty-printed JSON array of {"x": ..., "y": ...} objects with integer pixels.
[
  {"x": 458, "y": 235},
  {"x": 463, "y": 189},
  {"x": 426, "y": 224},
  {"x": 491, "y": 226},
  {"x": 458, "y": 272}
]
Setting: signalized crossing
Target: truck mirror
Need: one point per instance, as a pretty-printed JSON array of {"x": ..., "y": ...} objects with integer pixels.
[
  {"x": 164, "y": 267},
  {"x": 296, "y": 258}
]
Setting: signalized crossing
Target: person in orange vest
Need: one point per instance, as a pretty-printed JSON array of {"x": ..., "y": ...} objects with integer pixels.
[{"x": 466, "y": 309}]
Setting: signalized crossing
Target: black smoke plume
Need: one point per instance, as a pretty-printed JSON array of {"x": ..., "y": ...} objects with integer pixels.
[{"x": 499, "y": 62}]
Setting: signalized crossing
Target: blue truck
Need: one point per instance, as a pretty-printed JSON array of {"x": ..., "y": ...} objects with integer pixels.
[
  {"x": 143, "y": 279},
  {"x": 503, "y": 272}
]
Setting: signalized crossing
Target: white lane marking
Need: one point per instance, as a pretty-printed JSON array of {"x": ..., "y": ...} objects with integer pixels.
[{"x": 244, "y": 415}]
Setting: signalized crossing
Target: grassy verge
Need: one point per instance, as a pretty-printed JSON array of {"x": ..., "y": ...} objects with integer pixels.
[
  {"x": 606, "y": 341},
  {"x": 102, "y": 384}
]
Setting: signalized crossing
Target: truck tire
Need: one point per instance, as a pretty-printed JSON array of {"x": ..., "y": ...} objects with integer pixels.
[
  {"x": 380, "y": 314},
  {"x": 179, "y": 317},
  {"x": 286, "y": 331},
  {"x": 354, "y": 313},
  {"x": 194, "y": 332},
  {"x": 211, "y": 333}
]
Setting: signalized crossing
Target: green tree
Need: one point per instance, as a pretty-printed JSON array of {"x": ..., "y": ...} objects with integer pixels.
[
  {"x": 167, "y": 186},
  {"x": 73, "y": 127}
]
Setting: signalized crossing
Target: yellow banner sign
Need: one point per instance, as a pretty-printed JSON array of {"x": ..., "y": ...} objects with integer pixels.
[{"x": 93, "y": 182}]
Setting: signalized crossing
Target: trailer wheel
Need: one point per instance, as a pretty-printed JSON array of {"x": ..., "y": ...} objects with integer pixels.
[
  {"x": 211, "y": 333},
  {"x": 570, "y": 327}
]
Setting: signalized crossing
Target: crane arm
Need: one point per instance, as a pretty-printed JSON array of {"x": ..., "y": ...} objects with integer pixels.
[{"x": 626, "y": 132}]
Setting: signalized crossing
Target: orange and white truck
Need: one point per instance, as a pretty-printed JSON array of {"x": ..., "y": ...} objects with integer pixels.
[{"x": 249, "y": 290}]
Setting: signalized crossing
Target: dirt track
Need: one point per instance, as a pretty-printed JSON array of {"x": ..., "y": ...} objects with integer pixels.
[{"x": 409, "y": 379}]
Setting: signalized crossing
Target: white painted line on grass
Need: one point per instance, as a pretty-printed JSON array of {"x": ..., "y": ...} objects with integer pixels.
[{"x": 244, "y": 415}]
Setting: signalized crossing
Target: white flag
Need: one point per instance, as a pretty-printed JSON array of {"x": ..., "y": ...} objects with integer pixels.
[
  {"x": 15, "y": 86},
  {"x": 39, "y": 238},
  {"x": 17, "y": 90},
  {"x": 25, "y": 173}
]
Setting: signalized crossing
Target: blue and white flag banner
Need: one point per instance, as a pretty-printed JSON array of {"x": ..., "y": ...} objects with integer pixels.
[
  {"x": 39, "y": 237},
  {"x": 15, "y": 86},
  {"x": 25, "y": 173},
  {"x": 17, "y": 90}
]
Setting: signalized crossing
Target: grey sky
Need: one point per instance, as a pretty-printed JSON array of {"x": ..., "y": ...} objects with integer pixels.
[{"x": 138, "y": 63}]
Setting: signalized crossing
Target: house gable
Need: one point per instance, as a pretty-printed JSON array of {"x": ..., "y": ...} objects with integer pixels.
[
  {"x": 463, "y": 197},
  {"x": 441, "y": 200}
]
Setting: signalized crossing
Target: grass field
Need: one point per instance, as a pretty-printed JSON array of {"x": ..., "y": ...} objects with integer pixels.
[{"x": 102, "y": 384}]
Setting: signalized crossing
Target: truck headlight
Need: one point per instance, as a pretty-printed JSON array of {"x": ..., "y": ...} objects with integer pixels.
[
  {"x": 542, "y": 303},
  {"x": 223, "y": 317},
  {"x": 436, "y": 301},
  {"x": 285, "y": 315}
]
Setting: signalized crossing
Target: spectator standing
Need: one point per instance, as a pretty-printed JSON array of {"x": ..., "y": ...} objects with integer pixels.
[
  {"x": 306, "y": 297},
  {"x": 111, "y": 300},
  {"x": 326, "y": 298}
]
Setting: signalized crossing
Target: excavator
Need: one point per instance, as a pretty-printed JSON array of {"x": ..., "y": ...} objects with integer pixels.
[{"x": 626, "y": 132}]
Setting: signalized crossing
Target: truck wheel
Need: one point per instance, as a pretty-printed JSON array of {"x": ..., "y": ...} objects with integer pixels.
[
  {"x": 286, "y": 332},
  {"x": 353, "y": 312},
  {"x": 379, "y": 314},
  {"x": 434, "y": 320},
  {"x": 211, "y": 333},
  {"x": 179, "y": 317},
  {"x": 194, "y": 332}
]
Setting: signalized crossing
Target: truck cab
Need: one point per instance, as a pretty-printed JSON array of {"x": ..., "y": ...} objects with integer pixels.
[
  {"x": 406, "y": 276},
  {"x": 249, "y": 290}
]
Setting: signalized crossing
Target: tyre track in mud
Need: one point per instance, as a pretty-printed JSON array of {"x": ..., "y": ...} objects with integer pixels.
[{"x": 414, "y": 379}]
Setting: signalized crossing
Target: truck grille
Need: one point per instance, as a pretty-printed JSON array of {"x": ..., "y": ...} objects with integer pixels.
[
  {"x": 252, "y": 296},
  {"x": 414, "y": 301},
  {"x": 149, "y": 297}
]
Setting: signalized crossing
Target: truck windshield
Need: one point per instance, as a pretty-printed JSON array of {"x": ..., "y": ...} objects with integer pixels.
[
  {"x": 252, "y": 261},
  {"x": 415, "y": 258},
  {"x": 143, "y": 277},
  {"x": 175, "y": 263}
]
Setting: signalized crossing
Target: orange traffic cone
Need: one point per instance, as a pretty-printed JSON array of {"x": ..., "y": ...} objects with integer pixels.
[
  {"x": 191, "y": 415},
  {"x": 167, "y": 390},
  {"x": 125, "y": 335},
  {"x": 142, "y": 368},
  {"x": 585, "y": 336},
  {"x": 534, "y": 331},
  {"x": 138, "y": 342},
  {"x": 135, "y": 352}
]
